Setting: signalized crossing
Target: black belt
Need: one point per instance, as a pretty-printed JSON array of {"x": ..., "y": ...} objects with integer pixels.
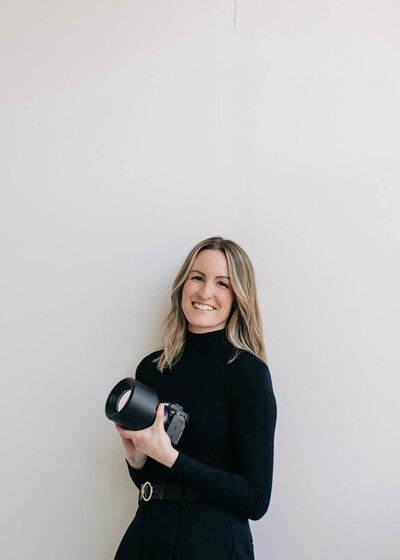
[{"x": 167, "y": 491}]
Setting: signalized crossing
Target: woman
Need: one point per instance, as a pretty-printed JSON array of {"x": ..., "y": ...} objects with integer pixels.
[{"x": 213, "y": 364}]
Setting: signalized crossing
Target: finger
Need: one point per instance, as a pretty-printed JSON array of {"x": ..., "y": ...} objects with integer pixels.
[
  {"x": 125, "y": 431},
  {"x": 122, "y": 432},
  {"x": 160, "y": 413}
]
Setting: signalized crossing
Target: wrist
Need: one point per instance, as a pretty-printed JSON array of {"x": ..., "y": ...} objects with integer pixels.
[{"x": 136, "y": 464}]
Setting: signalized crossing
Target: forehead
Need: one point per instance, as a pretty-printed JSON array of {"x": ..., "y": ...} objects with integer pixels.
[{"x": 211, "y": 261}]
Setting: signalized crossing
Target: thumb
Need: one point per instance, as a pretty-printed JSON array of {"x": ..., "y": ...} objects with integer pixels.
[{"x": 160, "y": 414}]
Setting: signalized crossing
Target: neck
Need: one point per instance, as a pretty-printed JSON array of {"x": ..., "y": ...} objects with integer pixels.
[{"x": 207, "y": 341}]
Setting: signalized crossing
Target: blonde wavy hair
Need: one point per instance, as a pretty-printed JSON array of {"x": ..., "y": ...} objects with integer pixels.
[{"x": 243, "y": 327}]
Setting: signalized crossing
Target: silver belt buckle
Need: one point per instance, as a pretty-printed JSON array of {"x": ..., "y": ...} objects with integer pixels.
[{"x": 143, "y": 490}]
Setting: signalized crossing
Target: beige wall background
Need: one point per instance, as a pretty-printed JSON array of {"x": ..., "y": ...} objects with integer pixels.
[{"x": 131, "y": 130}]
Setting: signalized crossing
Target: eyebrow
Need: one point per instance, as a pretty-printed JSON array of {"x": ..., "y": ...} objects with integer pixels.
[{"x": 202, "y": 273}]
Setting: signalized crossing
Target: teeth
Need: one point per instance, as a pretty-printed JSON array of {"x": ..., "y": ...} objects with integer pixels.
[{"x": 203, "y": 307}]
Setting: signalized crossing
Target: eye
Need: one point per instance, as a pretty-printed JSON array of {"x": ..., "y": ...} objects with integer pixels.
[{"x": 201, "y": 278}]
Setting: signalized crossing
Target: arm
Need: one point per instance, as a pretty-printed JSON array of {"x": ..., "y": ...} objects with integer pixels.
[
  {"x": 246, "y": 492},
  {"x": 138, "y": 472},
  {"x": 138, "y": 476},
  {"x": 152, "y": 444}
]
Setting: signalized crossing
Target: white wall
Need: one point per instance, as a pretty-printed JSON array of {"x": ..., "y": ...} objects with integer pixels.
[{"x": 131, "y": 130}]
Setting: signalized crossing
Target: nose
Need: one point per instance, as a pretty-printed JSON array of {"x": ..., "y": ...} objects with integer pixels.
[{"x": 205, "y": 291}]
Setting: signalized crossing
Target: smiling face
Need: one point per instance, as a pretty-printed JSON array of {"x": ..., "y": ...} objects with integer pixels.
[{"x": 207, "y": 286}]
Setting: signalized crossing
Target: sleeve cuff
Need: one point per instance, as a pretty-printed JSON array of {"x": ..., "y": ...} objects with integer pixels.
[
  {"x": 136, "y": 474},
  {"x": 178, "y": 467}
]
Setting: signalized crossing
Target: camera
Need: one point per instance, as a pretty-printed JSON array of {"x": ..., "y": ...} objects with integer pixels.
[{"x": 133, "y": 406}]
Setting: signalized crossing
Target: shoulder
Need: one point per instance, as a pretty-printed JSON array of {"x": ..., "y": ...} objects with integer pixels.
[
  {"x": 146, "y": 364},
  {"x": 251, "y": 383},
  {"x": 151, "y": 356},
  {"x": 249, "y": 362},
  {"x": 250, "y": 366}
]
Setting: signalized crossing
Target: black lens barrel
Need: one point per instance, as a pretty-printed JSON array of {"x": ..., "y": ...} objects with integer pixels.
[{"x": 140, "y": 409}]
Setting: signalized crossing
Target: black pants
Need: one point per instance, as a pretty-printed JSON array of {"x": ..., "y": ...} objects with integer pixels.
[{"x": 185, "y": 530}]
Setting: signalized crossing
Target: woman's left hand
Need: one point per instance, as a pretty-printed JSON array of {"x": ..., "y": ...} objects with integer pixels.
[{"x": 153, "y": 441}]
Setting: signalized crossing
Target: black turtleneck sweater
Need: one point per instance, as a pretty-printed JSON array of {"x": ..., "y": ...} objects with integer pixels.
[{"x": 226, "y": 449}]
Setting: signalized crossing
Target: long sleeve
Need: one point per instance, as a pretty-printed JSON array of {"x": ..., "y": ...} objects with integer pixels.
[{"x": 247, "y": 491}]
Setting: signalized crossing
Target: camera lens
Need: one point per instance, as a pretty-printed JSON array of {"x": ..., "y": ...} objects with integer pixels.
[
  {"x": 133, "y": 406},
  {"x": 123, "y": 399}
]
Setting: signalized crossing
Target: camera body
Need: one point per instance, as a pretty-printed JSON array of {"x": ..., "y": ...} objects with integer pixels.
[
  {"x": 175, "y": 420},
  {"x": 133, "y": 406}
]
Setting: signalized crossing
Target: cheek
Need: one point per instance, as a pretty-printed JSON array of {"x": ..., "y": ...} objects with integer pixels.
[
  {"x": 186, "y": 292},
  {"x": 228, "y": 301}
]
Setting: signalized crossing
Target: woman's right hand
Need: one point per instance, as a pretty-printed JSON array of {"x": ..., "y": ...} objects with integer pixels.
[{"x": 134, "y": 457}]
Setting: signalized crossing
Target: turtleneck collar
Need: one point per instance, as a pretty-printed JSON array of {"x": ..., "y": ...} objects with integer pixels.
[{"x": 206, "y": 342}]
